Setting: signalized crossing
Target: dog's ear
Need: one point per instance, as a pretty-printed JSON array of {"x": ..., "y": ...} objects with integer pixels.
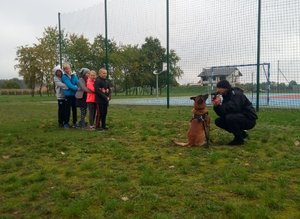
[
  {"x": 205, "y": 96},
  {"x": 193, "y": 98}
]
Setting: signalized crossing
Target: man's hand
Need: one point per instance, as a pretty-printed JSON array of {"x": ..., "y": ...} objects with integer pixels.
[{"x": 217, "y": 101}]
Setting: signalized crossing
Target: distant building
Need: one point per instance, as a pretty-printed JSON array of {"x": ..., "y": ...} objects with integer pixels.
[
  {"x": 214, "y": 75},
  {"x": 296, "y": 88}
]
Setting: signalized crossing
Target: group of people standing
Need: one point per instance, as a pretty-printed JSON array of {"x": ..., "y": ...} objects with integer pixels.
[
  {"x": 93, "y": 93},
  {"x": 87, "y": 91}
]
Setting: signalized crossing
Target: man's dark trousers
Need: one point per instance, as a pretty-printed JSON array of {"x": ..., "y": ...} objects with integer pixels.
[{"x": 235, "y": 123}]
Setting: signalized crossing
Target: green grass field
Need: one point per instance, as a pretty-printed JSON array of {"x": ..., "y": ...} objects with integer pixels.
[{"x": 134, "y": 171}]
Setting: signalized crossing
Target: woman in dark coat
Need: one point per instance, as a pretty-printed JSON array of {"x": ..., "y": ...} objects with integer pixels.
[{"x": 81, "y": 95}]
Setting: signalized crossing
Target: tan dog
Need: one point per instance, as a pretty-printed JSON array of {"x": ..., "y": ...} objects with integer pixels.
[{"x": 198, "y": 134}]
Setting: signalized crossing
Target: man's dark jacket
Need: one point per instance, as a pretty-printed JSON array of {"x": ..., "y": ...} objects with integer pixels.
[{"x": 236, "y": 102}]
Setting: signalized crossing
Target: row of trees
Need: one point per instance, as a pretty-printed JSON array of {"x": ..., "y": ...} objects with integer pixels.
[
  {"x": 272, "y": 87},
  {"x": 130, "y": 66},
  {"x": 13, "y": 83}
]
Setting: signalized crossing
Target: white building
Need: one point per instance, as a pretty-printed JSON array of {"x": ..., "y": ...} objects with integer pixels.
[{"x": 211, "y": 76}]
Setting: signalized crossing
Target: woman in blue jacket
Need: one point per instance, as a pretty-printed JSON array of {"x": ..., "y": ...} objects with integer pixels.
[{"x": 70, "y": 80}]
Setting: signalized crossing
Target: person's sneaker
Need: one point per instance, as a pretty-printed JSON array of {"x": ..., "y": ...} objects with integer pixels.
[
  {"x": 91, "y": 128},
  {"x": 245, "y": 134},
  {"x": 75, "y": 126},
  {"x": 82, "y": 124},
  {"x": 236, "y": 141},
  {"x": 66, "y": 126}
]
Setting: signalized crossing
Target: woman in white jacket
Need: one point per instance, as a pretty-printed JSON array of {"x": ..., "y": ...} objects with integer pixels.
[{"x": 59, "y": 91}]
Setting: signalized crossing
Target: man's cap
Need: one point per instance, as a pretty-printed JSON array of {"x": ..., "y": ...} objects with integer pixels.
[{"x": 224, "y": 84}]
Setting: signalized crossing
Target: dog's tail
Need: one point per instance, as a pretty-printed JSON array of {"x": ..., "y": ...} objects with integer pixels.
[{"x": 180, "y": 143}]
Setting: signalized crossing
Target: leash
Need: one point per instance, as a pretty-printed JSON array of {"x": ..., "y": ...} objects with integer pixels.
[{"x": 206, "y": 130}]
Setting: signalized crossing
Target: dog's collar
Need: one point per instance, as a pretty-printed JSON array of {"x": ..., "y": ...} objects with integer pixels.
[{"x": 200, "y": 118}]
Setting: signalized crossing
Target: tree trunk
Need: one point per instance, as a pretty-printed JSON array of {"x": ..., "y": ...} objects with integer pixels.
[
  {"x": 115, "y": 90},
  {"x": 32, "y": 92},
  {"x": 40, "y": 89}
]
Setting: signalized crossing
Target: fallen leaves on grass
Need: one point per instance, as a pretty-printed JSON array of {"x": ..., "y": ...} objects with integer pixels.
[
  {"x": 125, "y": 198},
  {"x": 5, "y": 157}
]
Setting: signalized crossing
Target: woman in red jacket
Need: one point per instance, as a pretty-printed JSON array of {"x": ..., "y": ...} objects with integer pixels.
[{"x": 90, "y": 99}]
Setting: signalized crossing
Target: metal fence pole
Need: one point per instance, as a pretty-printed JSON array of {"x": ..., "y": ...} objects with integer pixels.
[
  {"x": 168, "y": 61},
  {"x": 106, "y": 40},
  {"x": 60, "y": 39},
  {"x": 258, "y": 55}
]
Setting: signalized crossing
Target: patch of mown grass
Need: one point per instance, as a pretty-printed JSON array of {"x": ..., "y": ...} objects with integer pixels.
[{"x": 134, "y": 171}]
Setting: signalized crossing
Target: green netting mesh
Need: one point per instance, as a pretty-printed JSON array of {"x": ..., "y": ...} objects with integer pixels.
[{"x": 218, "y": 36}]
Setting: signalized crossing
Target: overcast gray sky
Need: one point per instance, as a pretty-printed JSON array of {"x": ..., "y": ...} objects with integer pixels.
[
  {"x": 22, "y": 22},
  {"x": 203, "y": 33}
]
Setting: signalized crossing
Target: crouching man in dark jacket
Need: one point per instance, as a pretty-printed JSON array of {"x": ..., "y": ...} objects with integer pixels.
[{"x": 235, "y": 111}]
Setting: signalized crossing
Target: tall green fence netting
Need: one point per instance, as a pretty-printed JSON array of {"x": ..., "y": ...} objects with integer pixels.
[{"x": 214, "y": 40}]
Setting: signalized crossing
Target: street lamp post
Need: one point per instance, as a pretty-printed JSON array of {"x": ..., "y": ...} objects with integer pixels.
[
  {"x": 164, "y": 68},
  {"x": 156, "y": 74}
]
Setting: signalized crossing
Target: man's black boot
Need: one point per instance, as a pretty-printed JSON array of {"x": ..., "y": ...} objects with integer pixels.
[
  {"x": 245, "y": 134},
  {"x": 236, "y": 141}
]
